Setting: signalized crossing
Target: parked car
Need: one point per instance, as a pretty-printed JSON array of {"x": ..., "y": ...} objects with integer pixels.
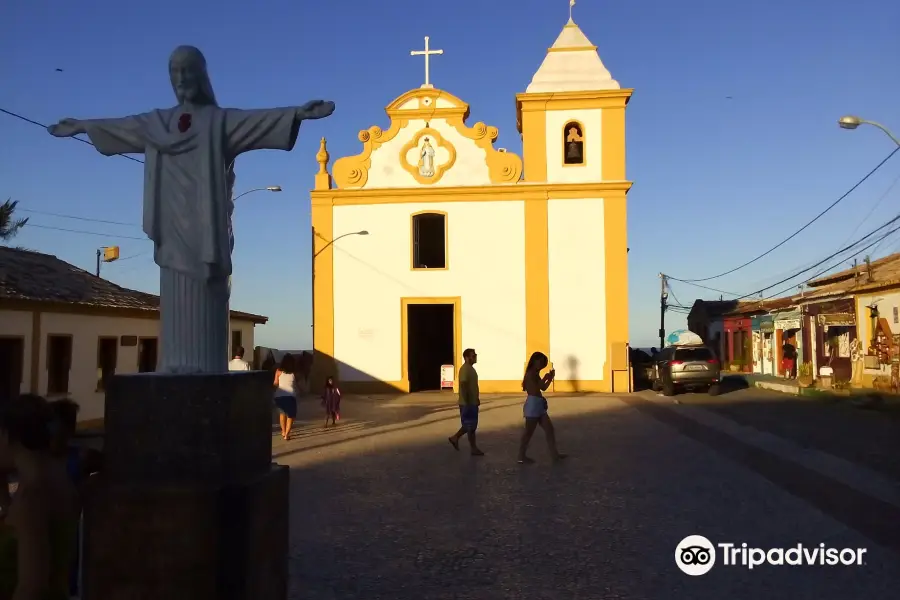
[{"x": 678, "y": 368}]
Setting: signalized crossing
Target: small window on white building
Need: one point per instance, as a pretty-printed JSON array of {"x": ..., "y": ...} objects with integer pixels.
[{"x": 429, "y": 241}]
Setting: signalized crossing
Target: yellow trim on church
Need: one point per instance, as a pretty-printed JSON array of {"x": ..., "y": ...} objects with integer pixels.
[
  {"x": 439, "y": 142},
  {"x": 573, "y": 49},
  {"x": 353, "y": 171},
  {"x": 529, "y": 186}
]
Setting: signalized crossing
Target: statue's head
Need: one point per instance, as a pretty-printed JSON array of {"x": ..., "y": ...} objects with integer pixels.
[{"x": 187, "y": 71}]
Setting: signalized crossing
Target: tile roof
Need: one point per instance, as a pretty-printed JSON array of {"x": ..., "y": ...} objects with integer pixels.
[
  {"x": 749, "y": 307},
  {"x": 881, "y": 273},
  {"x": 36, "y": 277},
  {"x": 715, "y": 308},
  {"x": 885, "y": 268}
]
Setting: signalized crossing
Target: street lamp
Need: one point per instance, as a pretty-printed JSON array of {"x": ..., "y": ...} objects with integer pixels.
[
  {"x": 316, "y": 355},
  {"x": 271, "y": 188},
  {"x": 363, "y": 232},
  {"x": 106, "y": 254},
  {"x": 852, "y": 122}
]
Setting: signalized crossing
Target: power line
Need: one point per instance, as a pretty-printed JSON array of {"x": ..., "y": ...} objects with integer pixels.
[
  {"x": 783, "y": 273},
  {"x": 97, "y": 233},
  {"x": 118, "y": 260},
  {"x": 82, "y": 140},
  {"x": 74, "y": 217},
  {"x": 829, "y": 257},
  {"x": 872, "y": 210},
  {"x": 796, "y": 233},
  {"x": 837, "y": 264},
  {"x": 705, "y": 287}
]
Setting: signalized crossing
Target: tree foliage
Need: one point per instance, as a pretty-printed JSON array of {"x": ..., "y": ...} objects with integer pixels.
[{"x": 9, "y": 225}]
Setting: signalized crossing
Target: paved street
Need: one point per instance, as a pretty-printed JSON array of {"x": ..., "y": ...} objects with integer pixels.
[{"x": 384, "y": 508}]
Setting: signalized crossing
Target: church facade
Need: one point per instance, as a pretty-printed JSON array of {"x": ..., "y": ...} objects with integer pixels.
[{"x": 432, "y": 240}]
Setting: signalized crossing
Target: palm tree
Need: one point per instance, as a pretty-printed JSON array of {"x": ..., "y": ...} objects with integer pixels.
[{"x": 9, "y": 226}]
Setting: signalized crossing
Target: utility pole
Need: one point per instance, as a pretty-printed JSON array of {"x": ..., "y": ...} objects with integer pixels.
[{"x": 663, "y": 296}]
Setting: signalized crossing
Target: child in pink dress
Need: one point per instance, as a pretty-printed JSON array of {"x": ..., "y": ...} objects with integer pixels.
[{"x": 331, "y": 400}]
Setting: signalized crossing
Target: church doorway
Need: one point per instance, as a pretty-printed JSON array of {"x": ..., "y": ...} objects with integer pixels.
[{"x": 430, "y": 342}]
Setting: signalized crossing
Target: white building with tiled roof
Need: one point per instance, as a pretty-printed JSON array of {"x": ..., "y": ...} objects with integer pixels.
[{"x": 63, "y": 331}]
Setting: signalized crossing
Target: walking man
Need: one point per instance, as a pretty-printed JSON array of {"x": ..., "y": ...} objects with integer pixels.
[
  {"x": 238, "y": 363},
  {"x": 468, "y": 402}
]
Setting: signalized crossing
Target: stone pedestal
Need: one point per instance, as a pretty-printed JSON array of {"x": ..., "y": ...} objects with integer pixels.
[{"x": 189, "y": 505}]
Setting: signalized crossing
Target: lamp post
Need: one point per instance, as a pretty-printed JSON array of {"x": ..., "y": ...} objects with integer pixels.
[
  {"x": 322, "y": 249},
  {"x": 315, "y": 254},
  {"x": 106, "y": 254},
  {"x": 271, "y": 188},
  {"x": 852, "y": 122}
]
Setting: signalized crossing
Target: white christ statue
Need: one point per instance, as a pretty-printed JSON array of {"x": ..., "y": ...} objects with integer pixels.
[{"x": 188, "y": 177}]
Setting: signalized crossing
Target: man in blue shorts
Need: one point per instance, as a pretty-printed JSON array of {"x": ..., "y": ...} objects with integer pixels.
[{"x": 468, "y": 402}]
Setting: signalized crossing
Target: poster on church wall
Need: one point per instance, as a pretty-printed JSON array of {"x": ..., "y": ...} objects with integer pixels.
[{"x": 446, "y": 377}]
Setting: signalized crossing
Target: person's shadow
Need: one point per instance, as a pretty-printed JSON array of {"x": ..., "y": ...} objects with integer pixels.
[{"x": 572, "y": 362}]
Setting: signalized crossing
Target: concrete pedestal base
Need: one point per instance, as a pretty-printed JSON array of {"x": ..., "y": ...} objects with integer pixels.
[
  {"x": 188, "y": 542},
  {"x": 189, "y": 506}
]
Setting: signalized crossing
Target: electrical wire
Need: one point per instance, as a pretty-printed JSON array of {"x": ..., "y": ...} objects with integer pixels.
[
  {"x": 704, "y": 287},
  {"x": 118, "y": 260},
  {"x": 97, "y": 233},
  {"x": 839, "y": 263},
  {"x": 829, "y": 257},
  {"x": 672, "y": 292},
  {"x": 872, "y": 210},
  {"x": 796, "y": 233},
  {"x": 82, "y": 140},
  {"x": 74, "y": 217}
]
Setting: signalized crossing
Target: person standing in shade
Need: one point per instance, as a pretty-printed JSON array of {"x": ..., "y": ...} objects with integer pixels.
[
  {"x": 238, "y": 363},
  {"x": 286, "y": 393},
  {"x": 468, "y": 402},
  {"x": 789, "y": 358}
]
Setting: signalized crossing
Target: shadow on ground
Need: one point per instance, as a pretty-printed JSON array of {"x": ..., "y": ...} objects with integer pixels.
[{"x": 401, "y": 515}]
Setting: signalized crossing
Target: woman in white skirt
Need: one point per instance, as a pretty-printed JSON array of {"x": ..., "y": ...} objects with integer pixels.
[{"x": 535, "y": 409}]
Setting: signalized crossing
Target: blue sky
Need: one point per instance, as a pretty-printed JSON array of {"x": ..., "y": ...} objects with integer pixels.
[{"x": 732, "y": 136}]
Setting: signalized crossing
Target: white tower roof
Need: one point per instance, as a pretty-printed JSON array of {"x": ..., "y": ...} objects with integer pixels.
[{"x": 572, "y": 65}]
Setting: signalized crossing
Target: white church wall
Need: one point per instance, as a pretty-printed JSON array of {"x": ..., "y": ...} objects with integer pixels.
[
  {"x": 469, "y": 168},
  {"x": 372, "y": 273},
  {"x": 557, "y": 172},
  {"x": 577, "y": 288}
]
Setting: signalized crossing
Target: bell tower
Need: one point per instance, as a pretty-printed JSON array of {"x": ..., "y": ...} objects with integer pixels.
[
  {"x": 572, "y": 120},
  {"x": 572, "y": 115}
]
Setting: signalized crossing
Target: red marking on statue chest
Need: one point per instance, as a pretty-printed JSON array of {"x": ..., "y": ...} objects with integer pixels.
[{"x": 184, "y": 122}]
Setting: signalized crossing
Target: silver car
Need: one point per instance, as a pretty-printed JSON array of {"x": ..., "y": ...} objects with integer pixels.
[{"x": 679, "y": 368}]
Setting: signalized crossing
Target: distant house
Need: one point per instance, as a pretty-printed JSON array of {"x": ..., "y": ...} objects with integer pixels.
[
  {"x": 706, "y": 320},
  {"x": 64, "y": 331}
]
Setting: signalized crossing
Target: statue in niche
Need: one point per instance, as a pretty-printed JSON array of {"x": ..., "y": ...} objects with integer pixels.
[
  {"x": 188, "y": 180},
  {"x": 574, "y": 145},
  {"x": 426, "y": 159}
]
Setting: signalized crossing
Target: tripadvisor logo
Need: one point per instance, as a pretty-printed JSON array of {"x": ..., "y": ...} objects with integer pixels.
[{"x": 696, "y": 555}]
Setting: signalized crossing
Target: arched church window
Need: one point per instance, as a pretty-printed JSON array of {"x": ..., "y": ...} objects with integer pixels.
[
  {"x": 429, "y": 240},
  {"x": 573, "y": 143}
]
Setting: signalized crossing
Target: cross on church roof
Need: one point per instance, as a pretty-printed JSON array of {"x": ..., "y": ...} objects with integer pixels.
[{"x": 427, "y": 54}]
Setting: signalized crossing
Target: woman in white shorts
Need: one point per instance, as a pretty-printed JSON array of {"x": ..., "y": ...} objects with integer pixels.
[{"x": 535, "y": 409}]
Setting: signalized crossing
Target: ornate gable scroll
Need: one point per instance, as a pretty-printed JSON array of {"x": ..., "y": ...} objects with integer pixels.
[{"x": 427, "y": 144}]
